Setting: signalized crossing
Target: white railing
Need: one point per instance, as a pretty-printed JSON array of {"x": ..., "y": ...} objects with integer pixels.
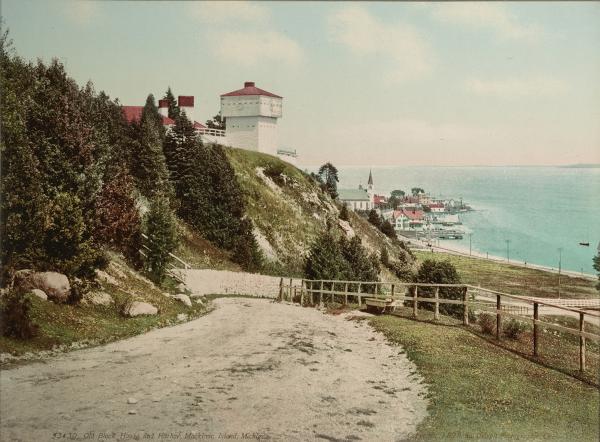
[{"x": 212, "y": 132}]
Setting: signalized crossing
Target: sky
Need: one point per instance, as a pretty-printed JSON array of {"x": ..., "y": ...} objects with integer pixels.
[{"x": 371, "y": 84}]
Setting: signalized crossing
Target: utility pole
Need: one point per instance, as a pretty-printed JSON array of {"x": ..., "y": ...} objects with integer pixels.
[
  {"x": 507, "y": 250},
  {"x": 559, "y": 268},
  {"x": 470, "y": 235}
]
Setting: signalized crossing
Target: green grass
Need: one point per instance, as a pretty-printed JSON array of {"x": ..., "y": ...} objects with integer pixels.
[
  {"x": 514, "y": 279},
  {"x": 479, "y": 391},
  {"x": 61, "y": 325}
]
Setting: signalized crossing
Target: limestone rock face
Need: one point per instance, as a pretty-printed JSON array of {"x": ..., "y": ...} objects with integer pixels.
[
  {"x": 138, "y": 308},
  {"x": 39, "y": 293},
  {"x": 99, "y": 298},
  {"x": 183, "y": 298},
  {"x": 55, "y": 285}
]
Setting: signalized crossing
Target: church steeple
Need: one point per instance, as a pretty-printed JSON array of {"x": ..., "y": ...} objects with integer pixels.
[{"x": 370, "y": 182}]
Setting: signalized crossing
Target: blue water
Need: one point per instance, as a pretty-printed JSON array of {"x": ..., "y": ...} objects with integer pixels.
[{"x": 539, "y": 209}]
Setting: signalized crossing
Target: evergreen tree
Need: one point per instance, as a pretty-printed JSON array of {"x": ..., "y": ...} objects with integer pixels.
[
  {"x": 150, "y": 167},
  {"x": 328, "y": 175},
  {"x": 217, "y": 122},
  {"x": 161, "y": 229},
  {"x": 179, "y": 143},
  {"x": 325, "y": 259},
  {"x": 388, "y": 230},
  {"x": 374, "y": 218},
  {"x": 174, "y": 110},
  {"x": 360, "y": 265}
]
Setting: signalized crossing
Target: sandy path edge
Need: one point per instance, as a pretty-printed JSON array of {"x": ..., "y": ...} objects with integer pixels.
[{"x": 251, "y": 368}]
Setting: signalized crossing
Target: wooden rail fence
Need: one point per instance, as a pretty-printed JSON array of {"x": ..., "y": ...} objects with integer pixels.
[{"x": 472, "y": 298}]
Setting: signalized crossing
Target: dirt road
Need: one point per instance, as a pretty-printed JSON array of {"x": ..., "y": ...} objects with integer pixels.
[{"x": 251, "y": 369}]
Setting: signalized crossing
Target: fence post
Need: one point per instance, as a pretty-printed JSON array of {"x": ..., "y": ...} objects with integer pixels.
[
  {"x": 393, "y": 290},
  {"x": 291, "y": 291},
  {"x": 436, "y": 312},
  {"x": 321, "y": 295},
  {"x": 415, "y": 302},
  {"x": 535, "y": 328},
  {"x": 498, "y": 316},
  {"x": 581, "y": 343},
  {"x": 346, "y": 293},
  {"x": 302, "y": 293},
  {"x": 359, "y": 297},
  {"x": 465, "y": 307},
  {"x": 280, "y": 289},
  {"x": 312, "y": 298}
]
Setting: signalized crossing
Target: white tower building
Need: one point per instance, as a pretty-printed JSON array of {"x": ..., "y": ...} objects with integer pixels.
[{"x": 252, "y": 115}]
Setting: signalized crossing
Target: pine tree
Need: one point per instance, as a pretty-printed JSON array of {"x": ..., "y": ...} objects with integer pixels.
[
  {"x": 325, "y": 259},
  {"x": 161, "y": 229},
  {"x": 179, "y": 143},
  {"x": 150, "y": 167},
  {"x": 388, "y": 230},
  {"x": 374, "y": 218},
  {"x": 360, "y": 265},
  {"x": 328, "y": 175},
  {"x": 174, "y": 110}
]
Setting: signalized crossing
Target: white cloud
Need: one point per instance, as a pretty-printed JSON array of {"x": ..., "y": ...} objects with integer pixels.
[
  {"x": 487, "y": 15},
  {"x": 249, "y": 48},
  {"x": 81, "y": 12},
  {"x": 354, "y": 27},
  {"x": 222, "y": 11},
  {"x": 517, "y": 87}
]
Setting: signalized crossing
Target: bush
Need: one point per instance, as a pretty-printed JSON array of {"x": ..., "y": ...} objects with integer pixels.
[
  {"x": 275, "y": 172},
  {"x": 162, "y": 237},
  {"x": 388, "y": 230},
  {"x": 16, "y": 321},
  {"x": 513, "y": 329},
  {"x": 344, "y": 213},
  {"x": 374, "y": 218},
  {"x": 384, "y": 256},
  {"x": 441, "y": 272},
  {"x": 487, "y": 322}
]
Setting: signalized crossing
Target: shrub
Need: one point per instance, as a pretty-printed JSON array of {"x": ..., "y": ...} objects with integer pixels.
[
  {"x": 162, "y": 237},
  {"x": 441, "y": 272},
  {"x": 513, "y": 329},
  {"x": 388, "y": 230},
  {"x": 16, "y": 320},
  {"x": 344, "y": 213},
  {"x": 487, "y": 322},
  {"x": 374, "y": 218},
  {"x": 384, "y": 257},
  {"x": 275, "y": 172}
]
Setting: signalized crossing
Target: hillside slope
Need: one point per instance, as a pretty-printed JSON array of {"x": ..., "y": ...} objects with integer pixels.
[{"x": 289, "y": 210}]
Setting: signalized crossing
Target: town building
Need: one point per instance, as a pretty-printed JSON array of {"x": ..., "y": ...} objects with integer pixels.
[{"x": 361, "y": 198}]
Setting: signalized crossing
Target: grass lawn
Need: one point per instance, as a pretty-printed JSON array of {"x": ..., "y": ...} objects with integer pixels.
[
  {"x": 514, "y": 279},
  {"x": 479, "y": 391}
]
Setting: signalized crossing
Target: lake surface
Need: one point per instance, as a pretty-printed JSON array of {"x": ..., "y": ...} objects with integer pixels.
[{"x": 539, "y": 209}]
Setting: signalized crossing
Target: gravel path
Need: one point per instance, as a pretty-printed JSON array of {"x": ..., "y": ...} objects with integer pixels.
[{"x": 252, "y": 367}]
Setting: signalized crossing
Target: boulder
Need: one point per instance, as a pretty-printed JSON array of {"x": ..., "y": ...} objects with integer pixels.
[
  {"x": 181, "y": 287},
  {"x": 55, "y": 285},
  {"x": 39, "y": 293},
  {"x": 99, "y": 298},
  {"x": 138, "y": 308},
  {"x": 183, "y": 298}
]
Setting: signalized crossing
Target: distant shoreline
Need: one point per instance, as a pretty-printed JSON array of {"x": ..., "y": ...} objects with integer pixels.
[{"x": 459, "y": 250}]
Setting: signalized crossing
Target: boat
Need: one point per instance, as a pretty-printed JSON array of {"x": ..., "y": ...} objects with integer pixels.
[{"x": 586, "y": 244}]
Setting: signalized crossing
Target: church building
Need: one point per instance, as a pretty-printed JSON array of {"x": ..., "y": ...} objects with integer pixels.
[{"x": 361, "y": 198}]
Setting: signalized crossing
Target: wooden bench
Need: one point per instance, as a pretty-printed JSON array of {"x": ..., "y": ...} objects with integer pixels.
[{"x": 380, "y": 305}]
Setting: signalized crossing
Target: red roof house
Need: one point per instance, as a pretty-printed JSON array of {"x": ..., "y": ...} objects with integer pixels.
[{"x": 134, "y": 113}]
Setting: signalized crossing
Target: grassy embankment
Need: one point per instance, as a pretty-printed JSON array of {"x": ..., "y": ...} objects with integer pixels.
[
  {"x": 514, "y": 279},
  {"x": 479, "y": 391},
  {"x": 61, "y": 325}
]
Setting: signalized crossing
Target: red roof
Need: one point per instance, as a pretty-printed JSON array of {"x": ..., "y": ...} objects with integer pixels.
[
  {"x": 199, "y": 125},
  {"x": 185, "y": 101},
  {"x": 379, "y": 199},
  {"x": 436, "y": 206},
  {"x": 134, "y": 113},
  {"x": 414, "y": 215},
  {"x": 163, "y": 103},
  {"x": 250, "y": 89}
]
